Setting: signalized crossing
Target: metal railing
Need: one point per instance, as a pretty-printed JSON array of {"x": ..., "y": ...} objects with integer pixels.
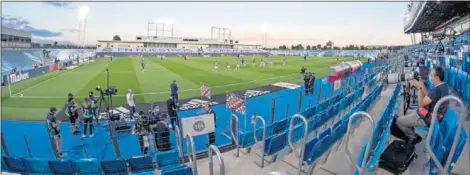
[
  {"x": 191, "y": 153},
  {"x": 235, "y": 137},
  {"x": 213, "y": 148},
  {"x": 263, "y": 138},
  {"x": 304, "y": 140},
  {"x": 346, "y": 147},
  {"x": 431, "y": 155},
  {"x": 179, "y": 143}
]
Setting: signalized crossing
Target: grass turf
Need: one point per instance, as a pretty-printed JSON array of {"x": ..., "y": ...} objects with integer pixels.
[{"x": 51, "y": 89}]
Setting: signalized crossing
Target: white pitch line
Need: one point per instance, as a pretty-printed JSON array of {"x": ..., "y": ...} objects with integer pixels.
[
  {"x": 154, "y": 93},
  {"x": 24, "y": 90}
]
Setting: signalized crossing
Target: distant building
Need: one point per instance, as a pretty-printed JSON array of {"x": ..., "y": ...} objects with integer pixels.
[
  {"x": 176, "y": 42},
  {"x": 15, "y": 38}
]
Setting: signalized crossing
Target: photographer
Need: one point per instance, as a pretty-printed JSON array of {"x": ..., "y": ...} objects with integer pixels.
[
  {"x": 162, "y": 134},
  {"x": 307, "y": 83},
  {"x": 312, "y": 82},
  {"x": 302, "y": 70},
  {"x": 53, "y": 126},
  {"x": 426, "y": 103},
  {"x": 92, "y": 101},
  {"x": 155, "y": 115},
  {"x": 141, "y": 130}
]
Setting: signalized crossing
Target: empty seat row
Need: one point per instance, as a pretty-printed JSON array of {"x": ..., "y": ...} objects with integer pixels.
[
  {"x": 275, "y": 143},
  {"x": 380, "y": 133},
  {"x": 459, "y": 81},
  {"x": 322, "y": 111},
  {"x": 166, "y": 161}
]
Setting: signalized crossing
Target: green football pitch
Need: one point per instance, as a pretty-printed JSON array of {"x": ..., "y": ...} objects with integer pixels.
[{"x": 32, "y": 98}]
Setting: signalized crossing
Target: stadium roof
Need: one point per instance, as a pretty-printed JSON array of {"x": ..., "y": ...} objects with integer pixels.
[
  {"x": 434, "y": 14},
  {"x": 15, "y": 32}
]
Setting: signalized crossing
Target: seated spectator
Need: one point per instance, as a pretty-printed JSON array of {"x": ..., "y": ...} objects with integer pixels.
[{"x": 422, "y": 117}]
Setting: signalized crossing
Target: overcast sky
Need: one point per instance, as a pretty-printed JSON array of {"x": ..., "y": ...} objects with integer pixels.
[{"x": 360, "y": 23}]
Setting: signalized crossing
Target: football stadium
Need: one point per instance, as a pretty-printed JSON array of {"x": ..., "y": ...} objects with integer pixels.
[{"x": 161, "y": 104}]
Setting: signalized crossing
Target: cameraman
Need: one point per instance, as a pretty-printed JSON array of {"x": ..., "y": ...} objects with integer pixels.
[
  {"x": 426, "y": 102},
  {"x": 71, "y": 110},
  {"x": 141, "y": 130}
]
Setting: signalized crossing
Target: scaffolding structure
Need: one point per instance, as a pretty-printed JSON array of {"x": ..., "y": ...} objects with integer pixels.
[
  {"x": 220, "y": 33},
  {"x": 159, "y": 29}
]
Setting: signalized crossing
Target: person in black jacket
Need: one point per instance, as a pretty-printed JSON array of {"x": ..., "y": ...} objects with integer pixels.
[
  {"x": 212, "y": 134},
  {"x": 162, "y": 134},
  {"x": 171, "y": 108}
]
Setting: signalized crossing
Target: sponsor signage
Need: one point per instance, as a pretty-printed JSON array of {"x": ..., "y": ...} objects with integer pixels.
[
  {"x": 198, "y": 125},
  {"x": 20, "y": 76},
  {"x": 195, "y": 103},
  {"x": 254, "y": 93},
  {"x": 13, "y": 78},
  {"x": 286, "y": 85}
]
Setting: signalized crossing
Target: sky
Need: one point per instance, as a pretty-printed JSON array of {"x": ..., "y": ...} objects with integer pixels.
[{"x": 289, "y": 23}]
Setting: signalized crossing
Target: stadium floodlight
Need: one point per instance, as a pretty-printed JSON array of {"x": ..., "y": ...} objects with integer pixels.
[
  {"x": 264, "y": 31},
  {"x": 83, "y": 12}
]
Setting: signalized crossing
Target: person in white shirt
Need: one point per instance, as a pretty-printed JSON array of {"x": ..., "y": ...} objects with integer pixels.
[{"x": 130, "y": 98}]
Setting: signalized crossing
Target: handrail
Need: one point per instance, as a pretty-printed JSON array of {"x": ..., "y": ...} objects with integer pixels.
[
  {"x": 235, "y": 138},
  {"x": 346, "y": 147},
  {"x": 444, "y": 169},
  {"x": 27, "y": 146},
  {"x": 263, "y": 139},
  {"x": 4, "y": 146},
  {"x": 179, "y": 142},
  {"x": 304, "y": 140},
  {"x": 219, "y": 157},
  {"x": 191, "y": 153}
]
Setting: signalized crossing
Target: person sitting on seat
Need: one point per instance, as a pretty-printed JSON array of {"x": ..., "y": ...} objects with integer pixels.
[{"x": 422, "y": 116}]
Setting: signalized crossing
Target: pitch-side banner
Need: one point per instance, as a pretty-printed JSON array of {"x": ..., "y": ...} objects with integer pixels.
[
  {"x": 142, "y": 50},
  {"x": 198, "y": 125}
]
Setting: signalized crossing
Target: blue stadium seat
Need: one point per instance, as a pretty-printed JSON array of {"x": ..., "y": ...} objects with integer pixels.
[
  {"x": 297, "y": 133},
  {"x": 88, "y": 167},
  {"x": 4, "y": 167},
  {"x": 312, "y": 125},
  {"x": 320, "y": 147},
  {"x": 141, "y": 164},
  {"x": 168, "y": 158},
  {"x": 180, "y": 170},
  {"x": 15, "y": 164},
  {"x": 114, "y": 167},
  {"x": 275, "y": 144},
  {"x": 37, "y": 166},
  {"x": 61, "y": 167},
  {"x": 467, "y": 89},
  {"x": 337, "y": 131},
  {"x": 280, "y": 126}
]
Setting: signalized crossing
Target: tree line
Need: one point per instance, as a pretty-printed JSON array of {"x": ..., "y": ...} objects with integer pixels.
[{"x": 330, "y": 46}]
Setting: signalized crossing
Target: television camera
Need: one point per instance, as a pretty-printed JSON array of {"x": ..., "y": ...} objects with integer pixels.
[{"x": 111, "y": 90}]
